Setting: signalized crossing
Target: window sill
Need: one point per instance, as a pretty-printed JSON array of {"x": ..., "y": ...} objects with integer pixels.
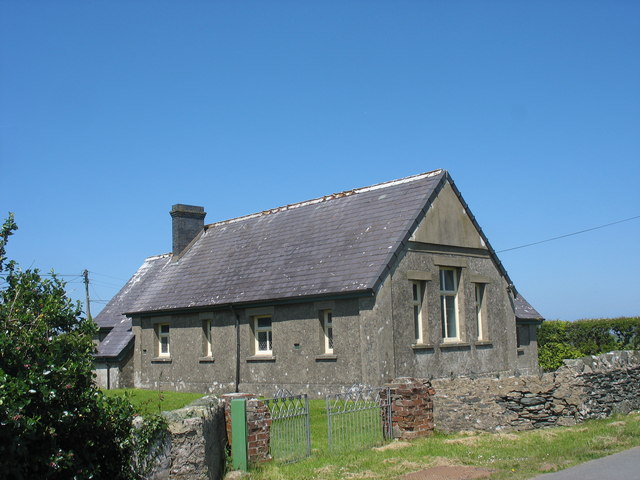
[
  {"x": 483, "y": 343},
  {"x": 261, "y": 358},
  {"x": 161, "y": 360},
  {"x": 326, "y": 357},
  {"x": 423, "y": 346},
  {"x": 454, "y": 345},
  {"x": 206, "y": 360}
]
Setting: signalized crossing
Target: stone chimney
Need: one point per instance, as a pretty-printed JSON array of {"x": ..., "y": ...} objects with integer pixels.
[{"x": 187, "y": 222}]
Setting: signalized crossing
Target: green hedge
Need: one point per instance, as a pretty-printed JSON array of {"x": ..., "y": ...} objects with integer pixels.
[{"x": 559, "y": 340}]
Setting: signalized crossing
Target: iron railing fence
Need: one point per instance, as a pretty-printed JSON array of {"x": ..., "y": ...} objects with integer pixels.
[
  {"x": 358, "y": 418},
  {"x": 289, "y": 438}
]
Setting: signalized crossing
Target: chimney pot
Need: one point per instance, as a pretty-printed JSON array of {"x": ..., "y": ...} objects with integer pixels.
[{"x": 187, "y": 222}]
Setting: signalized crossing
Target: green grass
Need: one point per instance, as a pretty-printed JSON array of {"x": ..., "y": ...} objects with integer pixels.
[
  {"x": 152, "y": 401},
  {"x": 517, "y": 455}
]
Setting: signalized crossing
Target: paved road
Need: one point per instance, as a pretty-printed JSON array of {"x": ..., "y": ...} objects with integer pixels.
[{"x": 621, "y": 466}]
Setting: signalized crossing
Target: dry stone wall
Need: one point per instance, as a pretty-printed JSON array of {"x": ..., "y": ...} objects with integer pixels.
[
  {"x": 590, "y": 387},
  {"x": 195, "y": 446}
]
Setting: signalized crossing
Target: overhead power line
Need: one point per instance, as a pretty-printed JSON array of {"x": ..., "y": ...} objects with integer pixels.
[
  {"x": 569, "y": 234},
  {"x": 59, "y": 275},
  {"x": 108, "y": 276}
]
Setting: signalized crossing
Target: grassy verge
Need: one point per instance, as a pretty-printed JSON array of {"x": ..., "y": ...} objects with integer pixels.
[
  {"x": 517, "y": 455},
  {"x": 152, "y": 401}
]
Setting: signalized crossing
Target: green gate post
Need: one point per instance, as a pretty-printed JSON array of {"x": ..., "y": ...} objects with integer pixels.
[{"x": 239, "y": 434}]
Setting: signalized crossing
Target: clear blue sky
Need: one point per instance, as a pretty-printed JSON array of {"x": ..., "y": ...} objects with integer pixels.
[{"x": 112, "y": 111}]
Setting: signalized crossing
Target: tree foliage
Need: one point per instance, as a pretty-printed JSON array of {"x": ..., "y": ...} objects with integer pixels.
[
  {"x": 559, "y": 340},
  {"x": 54, "y": 422}
]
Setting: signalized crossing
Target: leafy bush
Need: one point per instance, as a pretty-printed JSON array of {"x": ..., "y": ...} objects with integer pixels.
[
  {"x": 54, "y": 422},
  {"x": 551, "y": 355},
  {"x": 558, "y": 340}
]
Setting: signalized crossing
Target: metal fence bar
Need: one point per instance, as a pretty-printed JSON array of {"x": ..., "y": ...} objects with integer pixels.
[
  {"x": 359, "y": 418},
  {"x": 308, "y": 425}
]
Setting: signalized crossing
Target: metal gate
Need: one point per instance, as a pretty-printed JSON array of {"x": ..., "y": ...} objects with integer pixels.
[
  {"x": 358, "y": 418},
  {"x": 290, "y": 440}
]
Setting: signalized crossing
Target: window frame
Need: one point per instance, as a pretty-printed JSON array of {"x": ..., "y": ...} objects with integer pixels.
[
  {"x": 257, "y": 329},
  {"x": 445, "y": 294},
  {"x": 160, "y": 336}
]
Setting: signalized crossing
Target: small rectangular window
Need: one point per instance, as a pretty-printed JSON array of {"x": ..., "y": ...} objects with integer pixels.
[
  {"x": 449, "y": 303},
  {"x": 522, "y": 336},
  {"x": 327, "y": 324},
  {"x": 207, "y": 347},
  {"x": 163, "y": 330},
  {"x": 263, "y": 339},
  {"x": 417, "y": 295},
  {"x": 479, "y": 301}
]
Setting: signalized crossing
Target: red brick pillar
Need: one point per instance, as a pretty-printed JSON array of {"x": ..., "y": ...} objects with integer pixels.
[
  {"x": 411, "y": 407},
  {"x": 258, "y": 431},
  {"x": 258, "y": 426}
]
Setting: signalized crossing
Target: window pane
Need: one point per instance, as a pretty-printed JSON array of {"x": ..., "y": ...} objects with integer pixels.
[
  {"x": 164, "y": 328},
  {"x": 415, "y": 292},
  {"x": 330, "y": 337},
  {"x": 263, "y": 343},
  {"x": 479, "y": 293},
  {"x": 164, "y": 345},
  {"x": 264, "y": 322},
  {"x": 443, "y": 316},
  {"x": 451, "y": 316},
  {"x": 447, "y": 280}
]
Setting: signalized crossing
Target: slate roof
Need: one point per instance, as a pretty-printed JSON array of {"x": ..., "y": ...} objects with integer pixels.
[
  {"x": 338, "y": 244},
  {"x": 120, "y": 337},
  {"x": 524, "y": 310}
]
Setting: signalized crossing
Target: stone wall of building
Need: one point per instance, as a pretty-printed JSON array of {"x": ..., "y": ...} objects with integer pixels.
[{"x": 590, "y": 387}]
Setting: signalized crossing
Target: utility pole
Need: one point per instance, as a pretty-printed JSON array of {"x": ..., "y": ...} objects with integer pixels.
[{"x": 85, "y": 274}]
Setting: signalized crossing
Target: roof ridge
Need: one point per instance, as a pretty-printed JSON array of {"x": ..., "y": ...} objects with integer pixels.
[
  {"x": 332, "y": 196},
  {"x": 156, "y": 257}
]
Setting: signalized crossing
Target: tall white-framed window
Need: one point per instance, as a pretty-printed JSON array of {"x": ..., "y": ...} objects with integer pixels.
[
  {"x": 163, "y": 334},
  {"x": 449, "y": 278},
  {"x": 417, "y": 296},
  {"x": 479, "y": 304},
  {"x": 262, "y": 330},
  {"x": 207, "y": 345},
  {"x": 327, "y": 327}
]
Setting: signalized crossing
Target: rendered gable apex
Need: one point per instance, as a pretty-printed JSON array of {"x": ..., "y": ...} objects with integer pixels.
[
  {"x": 447, "y": 222},
  {"x": 446, "y": 219}
]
